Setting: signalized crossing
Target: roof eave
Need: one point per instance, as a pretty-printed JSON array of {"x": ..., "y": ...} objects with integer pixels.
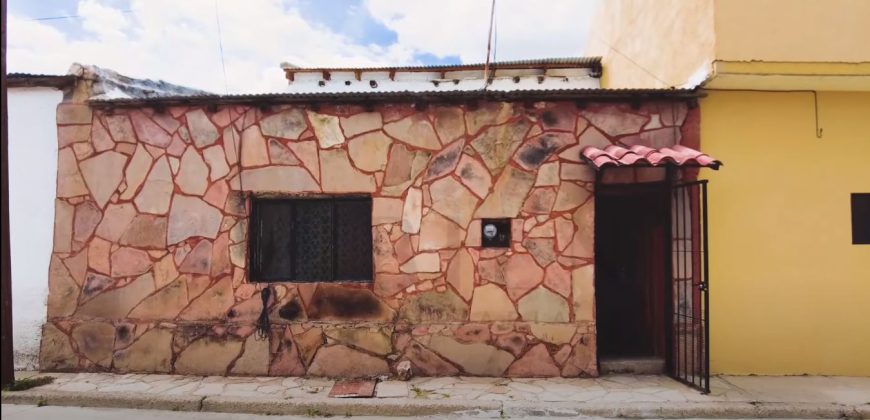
[
  {"x": 580, "y": 95},
  {"x": 40, "y": 80},
  {"x": 564, "y": 62}
]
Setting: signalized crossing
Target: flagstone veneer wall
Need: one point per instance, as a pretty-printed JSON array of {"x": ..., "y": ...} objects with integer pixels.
[{"x": 148, "y": 269}]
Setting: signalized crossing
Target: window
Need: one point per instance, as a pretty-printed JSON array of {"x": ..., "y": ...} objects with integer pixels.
[
  {"x": 861, "y": 218},
  {"x": 311, "y": 239}
]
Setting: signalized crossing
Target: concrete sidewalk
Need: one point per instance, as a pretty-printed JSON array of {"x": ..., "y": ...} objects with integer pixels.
[{"x": 608, "y": 396}]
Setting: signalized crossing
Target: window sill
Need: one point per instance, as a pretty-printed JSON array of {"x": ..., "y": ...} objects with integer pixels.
[{"x": 290, "y": 282}]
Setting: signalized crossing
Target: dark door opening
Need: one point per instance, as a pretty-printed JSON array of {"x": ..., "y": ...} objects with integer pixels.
[{"x": 631, "y": 274}]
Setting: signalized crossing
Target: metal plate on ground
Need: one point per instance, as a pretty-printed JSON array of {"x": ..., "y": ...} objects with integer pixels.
[{"x": 355, "y": 388}]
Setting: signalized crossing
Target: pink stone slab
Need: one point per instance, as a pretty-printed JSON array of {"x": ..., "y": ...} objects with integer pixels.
[{"x": 355, "y": 388}]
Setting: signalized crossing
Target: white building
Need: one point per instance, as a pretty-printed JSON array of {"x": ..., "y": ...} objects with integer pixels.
[{"x": 32, "y": 106}]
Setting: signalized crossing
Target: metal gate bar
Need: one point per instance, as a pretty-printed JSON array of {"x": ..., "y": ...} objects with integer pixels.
[{"x": 689, "y": 353}]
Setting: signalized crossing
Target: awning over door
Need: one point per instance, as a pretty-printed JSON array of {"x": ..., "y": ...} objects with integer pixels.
[{"x": 643, "y": 156}]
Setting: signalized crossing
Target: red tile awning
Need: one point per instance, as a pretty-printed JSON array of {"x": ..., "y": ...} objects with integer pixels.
[{"x": 638, "y": 155}]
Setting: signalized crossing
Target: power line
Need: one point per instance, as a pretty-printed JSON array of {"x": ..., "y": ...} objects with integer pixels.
[
  {"x": 221, "y": 45},
  {"x": 647, "y": 71},
  {"x": 488, "y": 45},
  {"x": 494, "y": 34},
  {"x": 73, "y": 16}
]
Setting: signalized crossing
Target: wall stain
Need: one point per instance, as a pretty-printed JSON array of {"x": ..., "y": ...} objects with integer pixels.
[
  {"x": 333, "y": 302},
  {"x": 290, "y": 310}
]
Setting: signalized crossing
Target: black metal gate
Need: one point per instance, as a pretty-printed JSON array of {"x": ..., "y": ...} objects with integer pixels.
[{"x": 689, "y": 309}]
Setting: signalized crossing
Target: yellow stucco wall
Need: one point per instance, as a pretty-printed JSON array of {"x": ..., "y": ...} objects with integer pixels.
[
  {"x": 638, "y": 39},
  {"x": 664, "y": 43},
  {"x": 790, "y": 294},
  {"x": 792, "y": 30}
]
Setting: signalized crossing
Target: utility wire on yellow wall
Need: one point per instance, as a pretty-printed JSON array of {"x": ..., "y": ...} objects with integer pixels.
[{"x": 819, "y": 129}]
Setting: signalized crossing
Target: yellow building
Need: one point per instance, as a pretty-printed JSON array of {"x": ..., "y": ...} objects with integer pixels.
[{"x": 787, "y": 109}]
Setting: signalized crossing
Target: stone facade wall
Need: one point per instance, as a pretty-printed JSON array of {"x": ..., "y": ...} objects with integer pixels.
[{"x": 148, "y": 272}]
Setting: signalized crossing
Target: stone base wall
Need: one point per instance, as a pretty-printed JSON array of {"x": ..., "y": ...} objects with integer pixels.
[
  {"x": 517, "y": 349},
  {"x": 148, "y": 272}
]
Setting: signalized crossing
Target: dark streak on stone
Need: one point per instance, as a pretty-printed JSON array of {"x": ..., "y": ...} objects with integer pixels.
[
  {"x": 186, "y": 334},
  {"x": 533, "y": 154},
  {"x": 345, "y": 303},
  {"x": 291, "y": 310},
  {"x": 123, "y": 333},
  {"x": 549, "y": 118},
  {"x": 94, "y": 284},
  {"x": 443, "y": 163},
  {"x": 466, "y": 172},
  {"x": 235, "y": 204},
  {"x": 434, "y": 306}
]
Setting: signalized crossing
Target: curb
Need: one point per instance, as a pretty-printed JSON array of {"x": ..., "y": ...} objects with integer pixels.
[
  {"x": 104, "y": 399},
  {"x": 388, "y": 407},
  {"x": 392, "y": 407},
  {"x": 689, "y": 410}
]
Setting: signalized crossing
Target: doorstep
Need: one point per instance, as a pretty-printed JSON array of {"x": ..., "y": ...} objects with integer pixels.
[
  {"x": 639, "y": 396},
  {"x": 632, "y": 365}
]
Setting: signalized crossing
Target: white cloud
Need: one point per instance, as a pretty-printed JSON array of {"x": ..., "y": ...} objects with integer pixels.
[
  {"x": 525, "y": 29},
  {"x": 103, "y": 21},
  {"x": 177, "y": 40}
]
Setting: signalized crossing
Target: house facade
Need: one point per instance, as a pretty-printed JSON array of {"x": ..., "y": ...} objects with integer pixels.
[
  {"x": 786, "y": 100},
  {"x": 348, "y": 231}
]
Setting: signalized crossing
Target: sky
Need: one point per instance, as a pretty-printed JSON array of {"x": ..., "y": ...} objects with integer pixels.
[{"x": 236, "y": 46}]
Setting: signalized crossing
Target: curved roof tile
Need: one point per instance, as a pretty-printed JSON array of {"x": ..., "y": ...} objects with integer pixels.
[{"x": 638, "y": 155}]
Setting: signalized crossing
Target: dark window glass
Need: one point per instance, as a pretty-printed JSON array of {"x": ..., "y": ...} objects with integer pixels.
[
  {"x": 313, "y": 222},
  {"x": 861, "y": 218},
  {"x": 311, "y": 239},
  {"x": 272, "y": 239},
  {"x": 354, "y": 244}
]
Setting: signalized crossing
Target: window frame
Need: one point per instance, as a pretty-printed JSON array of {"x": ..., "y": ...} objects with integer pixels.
[
  {"x": 254, "y": 269},
  {"x": 860, "y": 203}
]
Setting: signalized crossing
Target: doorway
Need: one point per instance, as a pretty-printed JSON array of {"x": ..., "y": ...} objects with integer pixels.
[{"x": 631, "y": 275}]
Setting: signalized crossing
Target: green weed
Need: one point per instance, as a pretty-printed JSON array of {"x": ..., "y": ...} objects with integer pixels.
[
  {"x": 27, "y": 383},
  {"x": 419, "y": 393}
]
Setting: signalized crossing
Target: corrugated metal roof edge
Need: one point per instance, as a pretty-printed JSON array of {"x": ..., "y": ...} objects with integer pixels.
[
  {"x": 580, "y": 62},
  {"x": 627, "y": 95},
  {"x": 39, "y": 80}
]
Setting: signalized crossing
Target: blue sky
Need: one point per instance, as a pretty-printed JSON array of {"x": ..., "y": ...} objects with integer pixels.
[
  {"x": 349, "y": 18},
  {"x": 177, "y": 40},
  {"x": 352, "y": 19},
  {"x": 47, "y": 9}
]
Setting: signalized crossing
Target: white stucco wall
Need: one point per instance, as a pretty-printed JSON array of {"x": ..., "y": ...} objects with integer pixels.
[{"x": 32, "y": 174}]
